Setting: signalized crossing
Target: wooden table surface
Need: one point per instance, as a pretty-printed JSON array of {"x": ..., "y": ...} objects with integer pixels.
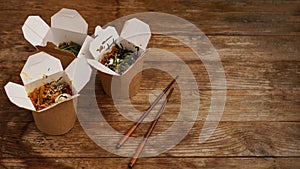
[{"x": 258, "y": 43}]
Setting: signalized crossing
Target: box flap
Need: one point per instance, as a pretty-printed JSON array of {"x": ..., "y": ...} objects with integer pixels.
[
  {"x": 97, "y": 65},
  {"x": 69, "y": 19},
  {"x": 39, "y": 65},
  {"x": 84, "y": 51},
  {"x": 136, "y": 32},
  {"x": 97, "y": 29},
  {"x": 65, "y": 57},
  {"x": 34, "y": 30},
  {"x": 79, "y": 72},
  {"x": 17, "y": 95},
  {"x": 58, "y": 36},
  {"x": 102, "y": 42}
]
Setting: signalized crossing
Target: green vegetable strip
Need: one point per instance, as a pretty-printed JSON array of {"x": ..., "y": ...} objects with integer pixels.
[{"x": 71, "y": 47}]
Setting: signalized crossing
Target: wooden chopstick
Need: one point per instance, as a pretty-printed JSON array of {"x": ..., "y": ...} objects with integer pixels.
[
  {"x": 150, "y": 129},
  {"x": 145, "y": 114}
]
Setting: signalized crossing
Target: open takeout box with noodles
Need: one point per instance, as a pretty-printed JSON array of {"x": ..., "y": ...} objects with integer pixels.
[
  {"x": 40, "y": 69},
  {"x": 120, "y": 81},
  {"x": 67, "y": 26}
]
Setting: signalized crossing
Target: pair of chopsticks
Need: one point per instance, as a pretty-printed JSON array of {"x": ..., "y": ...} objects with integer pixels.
[{"x": 150, "y": 129}]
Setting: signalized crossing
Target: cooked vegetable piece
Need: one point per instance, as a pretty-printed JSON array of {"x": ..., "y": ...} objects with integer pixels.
[{"x": 71, "y": 47}]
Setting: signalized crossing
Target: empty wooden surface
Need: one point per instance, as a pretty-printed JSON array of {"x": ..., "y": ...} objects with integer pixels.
[{"x": 258, "y": 43}]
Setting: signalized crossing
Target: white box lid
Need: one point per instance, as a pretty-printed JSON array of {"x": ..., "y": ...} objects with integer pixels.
[
  {"x": 102, "y": 42},
  {"x": 17, "y": 95},
  {"x": 136, "y": 32},
  {"x": 35, "y": 29},
  {"x": 70, "y": 20},
  {"x": 79, "y": 71},
  {"x": 39, "y": 65}
]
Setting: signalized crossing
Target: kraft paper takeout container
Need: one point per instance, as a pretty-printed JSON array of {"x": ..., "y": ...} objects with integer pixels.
[
  {"x": 135, "y": 36},
  {"x": 42, "y": 68},
  {"x": 66, "y": 25}
]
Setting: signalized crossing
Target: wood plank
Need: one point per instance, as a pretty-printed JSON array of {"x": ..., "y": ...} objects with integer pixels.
[
  {"x": 190, "y": 6},
  {"x": 151, "y": 163},
  {"x": 233, "y": 48},
  {"x": 241, "y": 105},
  {"x": 270, "y": 75},
  {"x": 256, "y": 49},
  {"x": 239, "y": 75},
  {"x": 283, "y": 22},
  {"x": 230, "y": 48},
  {"x": 231, "y": 139}
]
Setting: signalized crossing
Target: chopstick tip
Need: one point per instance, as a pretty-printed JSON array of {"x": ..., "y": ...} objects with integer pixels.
[
  {"x": 118, "y": 146},
  {"x": 130, "y": 165}
]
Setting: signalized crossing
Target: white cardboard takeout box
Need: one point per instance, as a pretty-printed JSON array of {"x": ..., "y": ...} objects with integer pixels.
[
  {"x": 42, "y": 68},
  {"x": 135, "y": 33},
  {"x": 135, "y": 36},
  {"x": 66, "y": 25}
]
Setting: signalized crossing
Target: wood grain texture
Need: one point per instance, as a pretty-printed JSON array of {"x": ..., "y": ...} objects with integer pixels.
[
  {"x": 274, "y": 20},
  {"x": 258, "y": 44},
  {"x": 151, "y": 163},
  {"x": 231, "y": 139},
  {"x": 270, "y": 105}
]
